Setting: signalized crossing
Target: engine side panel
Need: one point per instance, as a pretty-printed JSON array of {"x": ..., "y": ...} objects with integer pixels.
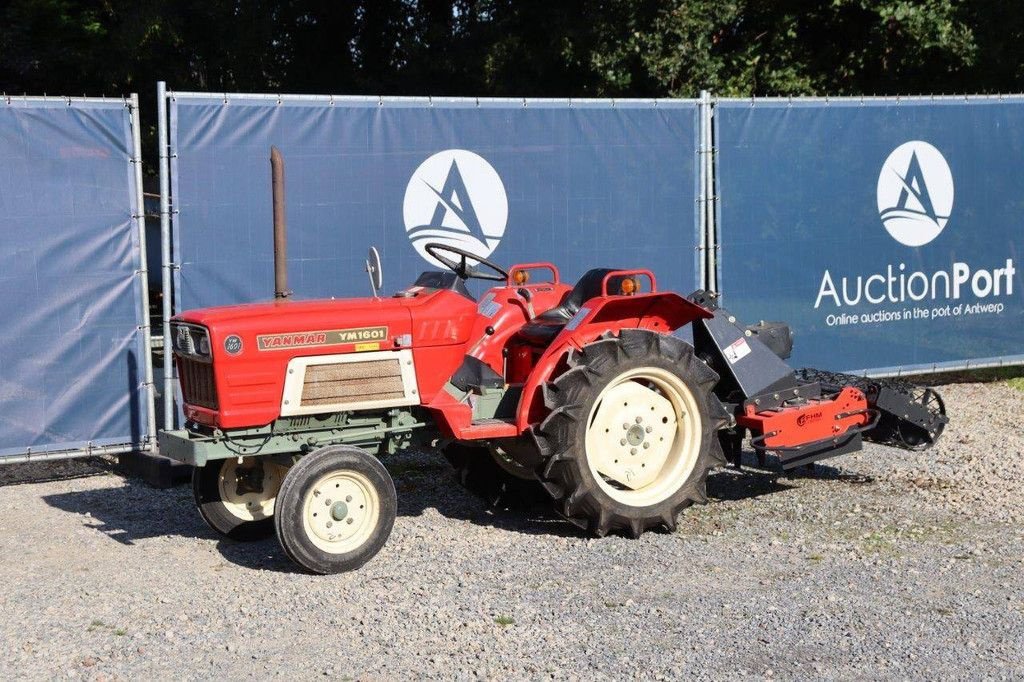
[{"x": 252, "y": 346}]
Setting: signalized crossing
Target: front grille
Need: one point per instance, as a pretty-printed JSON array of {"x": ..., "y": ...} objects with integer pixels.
[
  {"x": 197, "y": 387},
  {"x": 352, "y": 382}
]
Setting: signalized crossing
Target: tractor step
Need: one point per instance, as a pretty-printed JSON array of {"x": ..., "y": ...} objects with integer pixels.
[{"x": 490, "y": 428}]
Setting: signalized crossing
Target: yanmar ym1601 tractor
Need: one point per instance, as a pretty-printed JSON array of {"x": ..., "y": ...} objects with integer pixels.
[{"x": 611, "y": 398}]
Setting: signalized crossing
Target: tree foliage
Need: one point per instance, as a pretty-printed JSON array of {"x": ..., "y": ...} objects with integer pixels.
[{"x": 650, "y": 48}]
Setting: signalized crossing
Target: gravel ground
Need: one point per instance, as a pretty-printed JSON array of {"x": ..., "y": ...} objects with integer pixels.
[{"x": 884, "y": 564}]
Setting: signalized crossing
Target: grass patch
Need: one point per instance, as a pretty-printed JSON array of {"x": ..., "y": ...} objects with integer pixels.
[
  {"x": 878, "y": 543},
  {"x": 100, "y": 625},
  {"x": 1014, "y": 376},
  {"x": 890, "y": 538},
  {"x": 505, "y": 621}
]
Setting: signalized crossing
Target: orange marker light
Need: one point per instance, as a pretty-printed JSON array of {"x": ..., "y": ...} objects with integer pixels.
[
  {"x": 521, "y": 277},
  {"x": 628, "y": 286}
]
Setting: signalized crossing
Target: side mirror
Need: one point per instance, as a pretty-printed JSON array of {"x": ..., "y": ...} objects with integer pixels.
[{"x": 373, "y": 269}]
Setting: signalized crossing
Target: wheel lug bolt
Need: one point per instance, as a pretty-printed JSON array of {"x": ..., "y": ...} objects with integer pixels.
[
  {"x": 646, "y": 445},
  {"x": 329, "y": 524},
  {"x": 632, "y": 451},
  {"x": 348, "y": 520},
  {"x": 622, "y": 442},
  {"x": 348, "y": 498},
  {"x": 625, "y": 427},
  {"x": 649, "y": 429},
  {"x": 328, "y": 503},
  {"x": 639, "y": 419}
]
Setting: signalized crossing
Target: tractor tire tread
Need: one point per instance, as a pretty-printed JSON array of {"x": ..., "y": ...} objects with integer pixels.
[{"x": 576, "y": 496}]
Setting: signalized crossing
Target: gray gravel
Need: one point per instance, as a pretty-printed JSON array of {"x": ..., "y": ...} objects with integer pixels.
[{"x": 884, "y": 564}]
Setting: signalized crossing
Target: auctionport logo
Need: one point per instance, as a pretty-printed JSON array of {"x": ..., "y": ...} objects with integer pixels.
[
  {"x": 915, "y": 200},
  {"x": 915, "y": 193},
  {"x": 456, "y": 198}
]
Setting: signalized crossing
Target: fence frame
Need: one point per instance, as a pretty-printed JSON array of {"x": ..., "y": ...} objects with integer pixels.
[
  {"x": 895, "y": 370},
  {"x": 148, "y": 441},
  {"x": 709, "y": 211},
  {"x": 168, "y": 152}
]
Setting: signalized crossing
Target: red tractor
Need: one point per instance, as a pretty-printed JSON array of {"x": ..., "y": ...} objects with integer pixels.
[{"x": 609, "y": 397}]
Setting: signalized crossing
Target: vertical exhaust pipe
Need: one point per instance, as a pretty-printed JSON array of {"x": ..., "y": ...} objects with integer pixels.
[{"x": 280, "y": 225}]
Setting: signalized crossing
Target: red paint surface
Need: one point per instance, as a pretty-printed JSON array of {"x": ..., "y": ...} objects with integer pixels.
[
  {"x": 443, "y": 327},
  {"x": 816, "y": 420}
]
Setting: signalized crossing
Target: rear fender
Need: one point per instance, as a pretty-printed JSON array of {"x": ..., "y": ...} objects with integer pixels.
[{"x": 658, "y": 312}]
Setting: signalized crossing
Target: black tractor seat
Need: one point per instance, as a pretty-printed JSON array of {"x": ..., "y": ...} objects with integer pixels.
[{"x": 542, "y": 329}]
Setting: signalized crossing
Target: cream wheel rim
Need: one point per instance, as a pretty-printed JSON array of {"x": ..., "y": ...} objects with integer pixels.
[
  {"x": 248, "y": 490},
  {"x": 643, "y": 436},
  {"x": 340, "y": 511}
]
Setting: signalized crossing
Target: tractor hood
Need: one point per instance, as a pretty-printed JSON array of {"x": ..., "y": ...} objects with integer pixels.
[
  {"x": 320, "y": 326},
  {"x": 335, "y": 324},
  {"x": 239, "y": 354},
  {"x": 283, "y": 312}
]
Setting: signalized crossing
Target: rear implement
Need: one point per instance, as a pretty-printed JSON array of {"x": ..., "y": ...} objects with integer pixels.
[{"x": 808, "y": 414}]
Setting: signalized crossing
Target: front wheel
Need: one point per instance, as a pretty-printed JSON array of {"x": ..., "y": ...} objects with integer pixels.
[
  {"x": 237, "y": 499},
  {"x": 336, "y": 509}
]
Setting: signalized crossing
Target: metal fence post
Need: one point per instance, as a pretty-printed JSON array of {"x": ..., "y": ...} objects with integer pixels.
[
  {"x": 143, "y": 273},
  {"x": 702, "y": 193},
  {"x": 710, "y": 197},
  {"x": 165, "y": 252}
]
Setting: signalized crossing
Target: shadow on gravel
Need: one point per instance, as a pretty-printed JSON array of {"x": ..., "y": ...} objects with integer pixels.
[
  {"x": 733, "y": 486},
  {"x": 426, "y": 482},
  {"x": 57, "y": 470},
  {"x": 755, "y": 480},
  {"x": 263, "y": 555},
  {"x": 134, "y": 511}
]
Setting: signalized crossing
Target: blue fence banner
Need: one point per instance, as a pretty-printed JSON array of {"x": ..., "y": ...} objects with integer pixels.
[
  {"x": 71, "y": 349},
  {"x": 582, "y": 184},
  {"x": 886, "y": 232}
]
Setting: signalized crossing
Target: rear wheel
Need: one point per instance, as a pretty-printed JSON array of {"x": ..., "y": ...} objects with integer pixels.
[
  {"x": 237, "y": 499},
  {"x": 336, "y": 509},
  {"x": 632, "y": 433}
]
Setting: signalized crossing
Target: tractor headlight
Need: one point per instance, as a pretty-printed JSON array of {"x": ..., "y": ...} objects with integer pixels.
[{"x": 190, "y": 340}]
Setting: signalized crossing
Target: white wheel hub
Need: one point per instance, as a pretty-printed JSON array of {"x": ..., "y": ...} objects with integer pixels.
[
  {"x": 643, "y": 436},
  {"x": 248, "y": 490},
  {"x": 340, "y": 511}
]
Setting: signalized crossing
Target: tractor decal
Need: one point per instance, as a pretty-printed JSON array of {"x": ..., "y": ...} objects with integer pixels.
[{"x": 332, "y": 337}]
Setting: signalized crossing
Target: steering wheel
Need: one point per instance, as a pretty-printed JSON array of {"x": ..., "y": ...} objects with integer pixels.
[{"x": 462, "y": 268}]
